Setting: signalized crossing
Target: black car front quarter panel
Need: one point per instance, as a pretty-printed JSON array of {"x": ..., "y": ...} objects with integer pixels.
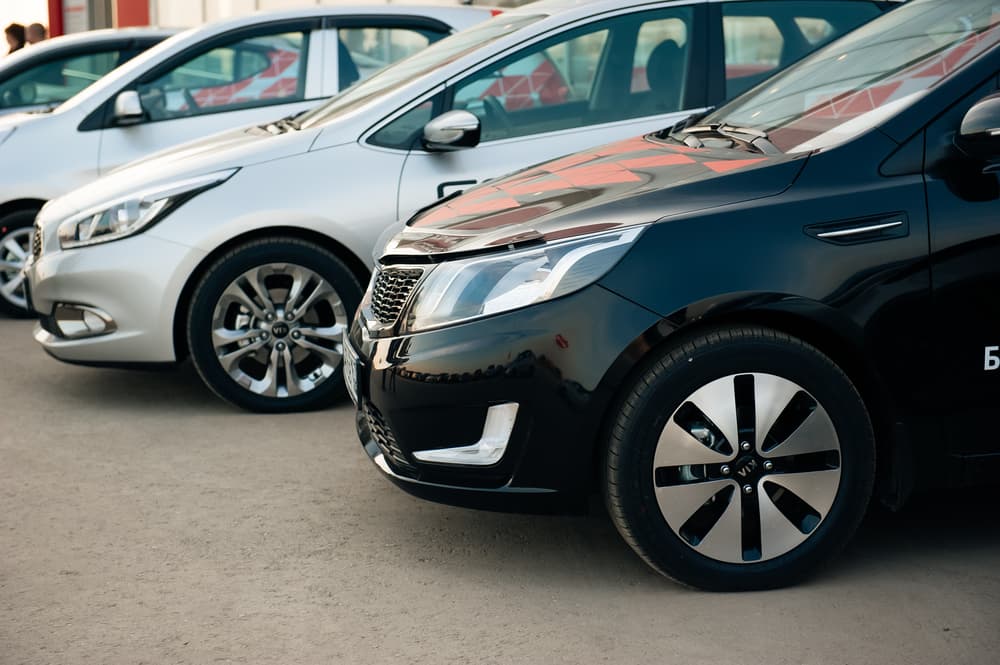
[{"x": 432, "y": 389}]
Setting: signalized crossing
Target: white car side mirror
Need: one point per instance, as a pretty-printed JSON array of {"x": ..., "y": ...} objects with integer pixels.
[
  {"x": 453, "y": 130},
  {"x": 128, "y": 107}
]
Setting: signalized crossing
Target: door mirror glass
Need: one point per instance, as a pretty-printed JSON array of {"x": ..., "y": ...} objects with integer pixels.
[
  {"x": 452, "y": 131},
  {"x": 979, "y": 135},
  {"x": 128, "y": 107}
]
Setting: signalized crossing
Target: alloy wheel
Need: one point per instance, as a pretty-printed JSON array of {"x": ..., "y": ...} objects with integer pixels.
[
  {"x": 277, "y": 330},
  {"x": 747, "y": 468},
  {"x": 15, "y": 246}
]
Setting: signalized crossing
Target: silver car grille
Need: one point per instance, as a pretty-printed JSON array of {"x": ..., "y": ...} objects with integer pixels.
[{"x": 36, "y": 242}]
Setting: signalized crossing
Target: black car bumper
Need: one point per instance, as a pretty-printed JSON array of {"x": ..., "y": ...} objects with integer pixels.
[{"x": 557, "y": 362}]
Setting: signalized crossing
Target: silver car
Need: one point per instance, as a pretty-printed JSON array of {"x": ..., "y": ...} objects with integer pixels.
[{"x": 249, "y": 251}]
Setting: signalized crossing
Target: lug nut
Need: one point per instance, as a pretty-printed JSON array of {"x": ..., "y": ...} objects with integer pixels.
[
  {"x": 296, "y": 334},
  {"x": 270, "y": 316},
  {"x": 264, "y": 334},
  {"x": 748, "y": 489},
  {"x": 288, "y": 316},
  {"x": 768, "y": 466},
  {"x": 280, "y": 346},
  {"x": 725, "y": 469},
  {"x": 745, "y": 445}
]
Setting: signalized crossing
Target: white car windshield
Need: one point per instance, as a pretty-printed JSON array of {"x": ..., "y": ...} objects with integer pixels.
[
  {"x": 872, "y": 73},
  {"x": 437, "y": 55}
]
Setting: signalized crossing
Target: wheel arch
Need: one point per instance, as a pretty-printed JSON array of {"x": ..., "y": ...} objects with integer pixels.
[
  {"x": 812, "y": 322},
  {"x": 18, "y": 205},
  {"x": 350, "y": 259}
]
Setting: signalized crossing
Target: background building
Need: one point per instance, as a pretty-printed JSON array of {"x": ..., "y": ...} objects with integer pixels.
[{"x": 66, "y": 16}]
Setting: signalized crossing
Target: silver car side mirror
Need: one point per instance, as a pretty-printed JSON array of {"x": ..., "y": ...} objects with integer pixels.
[
  {"x": 453, "y": 130},
  {"x": 128, "y": 107}
]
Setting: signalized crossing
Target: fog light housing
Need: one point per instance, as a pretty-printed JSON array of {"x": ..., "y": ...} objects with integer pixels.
[
  {"x": 76, "y": 321},
  {"x": 488, "y": 450}
]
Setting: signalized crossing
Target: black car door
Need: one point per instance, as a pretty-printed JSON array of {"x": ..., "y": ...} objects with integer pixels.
[{"x": 964, "y": 212}]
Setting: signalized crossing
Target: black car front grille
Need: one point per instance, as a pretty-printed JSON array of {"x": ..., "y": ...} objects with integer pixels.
[
  {"x": 36, "y": 242},
  {"x": 386, "y": 441},
  {"x": 392, "y": 288}
]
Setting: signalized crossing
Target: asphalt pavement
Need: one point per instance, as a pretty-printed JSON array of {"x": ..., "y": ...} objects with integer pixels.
[{"x": 144, "y": 521}]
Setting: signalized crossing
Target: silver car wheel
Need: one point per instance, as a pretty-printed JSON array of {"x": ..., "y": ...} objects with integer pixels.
[
  {"x": 277, "y": 330},
  {"x": 747, "y": 468},
  {"x": 15, "y": 247}
]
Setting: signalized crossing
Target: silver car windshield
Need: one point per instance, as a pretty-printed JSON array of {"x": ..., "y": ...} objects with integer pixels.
[
  {"x": 437, "y": 55},
  {"x": 867, "y": 76}
]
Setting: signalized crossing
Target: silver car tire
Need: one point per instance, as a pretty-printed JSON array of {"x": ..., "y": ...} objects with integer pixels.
[
  {"x": 740, "y": 459},
  {"x": 265, "y": 325}
]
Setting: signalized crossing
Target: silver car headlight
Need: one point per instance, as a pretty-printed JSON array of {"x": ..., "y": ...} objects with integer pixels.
[
  {"x": 465, "y": 289},
  {"x": 131, "y": 214}
]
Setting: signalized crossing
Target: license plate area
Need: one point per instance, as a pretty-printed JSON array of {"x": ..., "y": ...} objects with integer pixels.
[{"x": 350, "y": 370}]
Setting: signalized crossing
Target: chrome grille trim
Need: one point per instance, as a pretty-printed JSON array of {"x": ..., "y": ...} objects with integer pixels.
[
  {"x": 36, "y": 241},
  {"x": 390, "y": 291}
]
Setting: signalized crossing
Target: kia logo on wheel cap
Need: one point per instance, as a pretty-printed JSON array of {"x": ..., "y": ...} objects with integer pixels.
[{"x": 279, "y": 329}]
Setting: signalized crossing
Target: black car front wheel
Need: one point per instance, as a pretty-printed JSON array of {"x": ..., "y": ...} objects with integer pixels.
[
  {"x": 741, "y": 459},
  {"x": 266, "y": 325}
]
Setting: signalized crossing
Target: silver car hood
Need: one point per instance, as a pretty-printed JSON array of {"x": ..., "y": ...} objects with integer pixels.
[{"x": 228, "y": 150}]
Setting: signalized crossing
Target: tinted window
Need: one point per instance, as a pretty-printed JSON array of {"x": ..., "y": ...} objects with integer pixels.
[
  {"x": 764, "y": 37},
  {"x": 612, "y": 70},
  {"x": 869, "y": 75},
  {"x": 417, "y": 65},
  {"x": 364, "y": 51},
  {"x": 247, "y": 73},
  {"x": 56, "y": 80}
]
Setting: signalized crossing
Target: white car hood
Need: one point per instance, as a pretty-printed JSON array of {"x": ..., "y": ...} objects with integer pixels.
[{"x": 232, "y": 149}]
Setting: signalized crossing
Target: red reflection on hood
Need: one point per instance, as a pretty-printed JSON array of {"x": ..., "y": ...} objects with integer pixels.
[{"x": 626, "y": 164}]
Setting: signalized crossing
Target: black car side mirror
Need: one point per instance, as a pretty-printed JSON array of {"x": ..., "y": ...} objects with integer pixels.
[{"x": 979, "y": 135}]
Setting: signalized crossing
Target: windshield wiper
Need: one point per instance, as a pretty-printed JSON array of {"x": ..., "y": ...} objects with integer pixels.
[
  {"x": 681, "y": 125},
  {"x": 748, "y": 136},
  {"x": 284, "y": 125}
]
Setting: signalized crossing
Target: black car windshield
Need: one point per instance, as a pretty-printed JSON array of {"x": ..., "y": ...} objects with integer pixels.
[
  {"x": 867, "y": 76},
  {"x": 437, "y": 55}
]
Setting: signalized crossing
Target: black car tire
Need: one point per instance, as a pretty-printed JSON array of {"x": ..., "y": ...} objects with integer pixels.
[
  {"x": 657, "y": 392},
  {"x": 229, "y": 268},
  {"x": 16, "y": 222}
]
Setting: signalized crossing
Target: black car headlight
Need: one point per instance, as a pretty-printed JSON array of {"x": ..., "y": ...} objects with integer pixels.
[{"x": 465, "y": 289}]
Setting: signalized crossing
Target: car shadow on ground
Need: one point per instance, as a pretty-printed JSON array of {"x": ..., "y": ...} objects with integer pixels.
[
  {"x": 932, "y": 527},
  {"x": 177, "y": 388}
]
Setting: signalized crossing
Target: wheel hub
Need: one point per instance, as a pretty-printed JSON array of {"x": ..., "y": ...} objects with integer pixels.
[
  {"x": 278, "y": 330},
  {"x": 746, "y": 468}
]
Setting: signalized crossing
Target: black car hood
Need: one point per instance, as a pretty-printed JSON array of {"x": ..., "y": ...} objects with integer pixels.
[{"x": 637, "y": 181}]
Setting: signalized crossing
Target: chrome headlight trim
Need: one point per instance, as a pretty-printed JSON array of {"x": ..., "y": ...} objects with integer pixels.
[
  {"x": 130, "y": 214},
  {"x": 453, "y": 292}
]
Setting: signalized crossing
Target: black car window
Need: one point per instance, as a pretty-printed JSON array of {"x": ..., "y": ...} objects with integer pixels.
[
  {"x": 55, "y": 81},
  {"x": 860, "y": 80}
]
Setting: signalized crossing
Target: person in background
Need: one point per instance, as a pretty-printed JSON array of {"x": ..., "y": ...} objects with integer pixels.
[
  {"x": 15, "y": 37},
  {"x": 36, "y": 32}
]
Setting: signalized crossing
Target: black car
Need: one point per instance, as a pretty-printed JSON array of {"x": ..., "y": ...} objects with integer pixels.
[{"x": 737, "y": 329}]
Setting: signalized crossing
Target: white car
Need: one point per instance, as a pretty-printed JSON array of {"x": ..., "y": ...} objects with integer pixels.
[
  {"x": 47, "y": 74},
  {"x": 226, "y": 74},
  {"x": 249, "y": 251}
]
